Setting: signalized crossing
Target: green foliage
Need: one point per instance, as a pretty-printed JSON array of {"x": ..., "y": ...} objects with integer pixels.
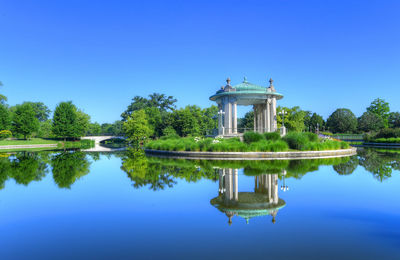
[
  {"x": 247, "y": 122},
  {"x": 342, "y": 121},
  {"x": 137, "y": 128},
  {"x": 380, "y": 108},
  {"x": 394, "y": 119},
  {"x": 370, "y": 122},
  {"x": 42, "y": 112},
  {"x": 82, "y": 123},
  {"x": 45, "y": 129},
  {"x": 388, "y": 133},
  {"x": 294, "y": 118},
  {"x": 5, "y": 118},
  {"x": 296, "y": 140},
  {"x": 5, "y": 134},
  {"x": 348, "y": 167},
  {"x": 387, "y": 140},
  {"x": 159, "y": 101},
  {"x": 274, "y": 136},
  {"x": 250, "y": 137},
  {"x": 94, "y": 129},
  {"x": 313, "y": 122},
  {"x": 24, "y": 121},
  {"x": 3, "y": 99},
  {"x": 67, "y": 167},
  {"x": 311, "y": 136},
  {"x": 64, "y": 120}
]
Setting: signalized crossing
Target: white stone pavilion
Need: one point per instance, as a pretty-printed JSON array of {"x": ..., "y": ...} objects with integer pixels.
[{"x": 263, "y": 100}]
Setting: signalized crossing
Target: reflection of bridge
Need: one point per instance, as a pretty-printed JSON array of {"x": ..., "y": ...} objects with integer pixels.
[
  {"x": 99, "y": 139},
  {"x": 263, "y": 201}
]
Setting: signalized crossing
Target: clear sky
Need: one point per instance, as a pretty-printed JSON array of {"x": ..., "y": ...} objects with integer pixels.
[{"x": 321, "y": 54}]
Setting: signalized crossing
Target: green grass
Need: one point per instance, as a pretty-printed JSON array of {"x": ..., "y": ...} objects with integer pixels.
[
  {"x": 253, "y": 143},
  {"x": 28, "y": 142}
]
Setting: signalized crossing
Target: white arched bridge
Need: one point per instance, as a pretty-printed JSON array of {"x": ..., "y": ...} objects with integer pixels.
[{"x": 99, "y": 139}]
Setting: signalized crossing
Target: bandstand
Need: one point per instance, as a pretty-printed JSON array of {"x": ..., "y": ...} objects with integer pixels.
[{"x": 263, "y": 100}]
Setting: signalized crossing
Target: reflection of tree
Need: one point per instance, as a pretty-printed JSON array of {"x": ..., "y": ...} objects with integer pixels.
[
  {"x": 347, "y": 167},
  {"x": 4, "y": 171},
  {"x": 69, "y": 167},
  {"x": 27, "y": 167},
  {"x": 379, "y": 164},
  {"x": 159, "y": 173}
]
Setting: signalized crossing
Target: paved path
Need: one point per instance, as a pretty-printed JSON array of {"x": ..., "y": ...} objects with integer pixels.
[{"x": 5, "y": 147}]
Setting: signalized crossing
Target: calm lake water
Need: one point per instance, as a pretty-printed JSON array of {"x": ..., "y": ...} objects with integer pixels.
[{"x": 125, "y": 205}]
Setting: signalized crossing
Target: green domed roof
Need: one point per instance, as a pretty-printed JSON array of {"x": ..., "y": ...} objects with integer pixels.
[{"x": 246, "y": 90}]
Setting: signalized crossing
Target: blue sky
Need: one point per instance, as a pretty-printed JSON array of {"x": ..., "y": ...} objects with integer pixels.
[{"x": 321, "y": 54}]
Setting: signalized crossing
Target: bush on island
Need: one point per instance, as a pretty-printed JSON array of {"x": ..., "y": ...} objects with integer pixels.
[
  {"x": 251, "y": 137},
  {"x": 274, "y": 136}
]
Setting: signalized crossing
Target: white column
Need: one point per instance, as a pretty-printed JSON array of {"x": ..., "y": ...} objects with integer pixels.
[
  {"x": 234, "y": 119},
  {"x": 268, "y": 116},
  {"x": 271, "y": 117},
  {"x": 228, "y": 116},
  {"x": 275, "y": 125},
  {"x": 255, "y": 117},
  {"x": 275, "y": 188},
  {"x": 235, "y": 185}
]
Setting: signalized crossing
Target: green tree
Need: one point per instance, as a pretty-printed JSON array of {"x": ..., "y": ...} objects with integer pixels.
[
  {"x": 160, "y": 101},
  {"x": 394, "y": 119},
  {"x": 380, "y": 108},
  {"x": 42, "y": 112},
  {"x": 45, "y": 129},
  {"x": 5, "y": 120},
  {"x": 137, "y": 128},
  {"x": 24, "y": 120},
  {"x": 94, "y": 129},
  {"x": 370, "y": 122},
  {"x": 294, "y": 118},
  {"x": 247, "y": 122},
  {"x": 64, "y": 120},
  {"x": 316, "y": 122},
  {"x": 82, "y": 124},
  {"x": 67, "y": 167},
  {"x": 342, "y": 121},
  {"x": 185, "y": 121},
  {"x": 348, "y": 167}
]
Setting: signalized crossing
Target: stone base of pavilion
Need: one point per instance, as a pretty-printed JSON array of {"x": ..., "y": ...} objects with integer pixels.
[{"x": 253, "y": 155}]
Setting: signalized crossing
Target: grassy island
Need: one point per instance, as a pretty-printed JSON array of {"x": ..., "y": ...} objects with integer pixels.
[{"x": 252, "y": 142}]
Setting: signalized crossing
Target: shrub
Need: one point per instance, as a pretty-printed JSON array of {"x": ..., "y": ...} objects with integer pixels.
[
  {"x": 311, "y": 136},
  {"x": 274, "y": 136},
  {"x": 388, "y": 133},
  {"x": 250, "y": 137},
  {"x": 5, "y": 134},
  {"x": 296, "y": 140}
]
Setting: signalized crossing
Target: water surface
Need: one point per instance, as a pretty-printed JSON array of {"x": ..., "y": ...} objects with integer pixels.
[{"x": 75, "y": 205}]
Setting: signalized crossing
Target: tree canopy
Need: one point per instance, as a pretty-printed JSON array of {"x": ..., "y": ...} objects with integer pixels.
[
  {"x": 137, "y": 127},
  {"x": 24, "y": 120},
  {"x": 342, "y": 121},
  {"x": 380, "y": 108},
  {"x": 370, "y": 122}
]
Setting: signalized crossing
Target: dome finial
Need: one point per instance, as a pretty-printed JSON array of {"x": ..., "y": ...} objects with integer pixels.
[
  {"x": 270, "y": 82},
  {"x": 244, "y": 79},
  {"x": 228, "y": 81}
]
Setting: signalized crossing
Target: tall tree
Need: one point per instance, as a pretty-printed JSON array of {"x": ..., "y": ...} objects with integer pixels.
[
  {"x": 5, "y": 119},
  {"x": 82, "y": 123},
  {"x": 24, "y": 120},
  {"x": 370, "y": 122},
  {"x": 42, "y": 112},
  {"x": 160, "y": 101},
  {"x": 137, "y": 128},
  {"x": 247, "y": 122},
  {"x": 45, "y": 129},
  {"x": 381, "y": 109},
  {"x": 342, "y": 121},
  {"x": 294, "y": 118},
  {"x": 64, "y": 120}
]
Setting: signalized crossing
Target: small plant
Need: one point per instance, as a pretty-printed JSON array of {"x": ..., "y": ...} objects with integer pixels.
[
  {"x": 296, "y": 140},
  {"x": 5, "y": 134}
]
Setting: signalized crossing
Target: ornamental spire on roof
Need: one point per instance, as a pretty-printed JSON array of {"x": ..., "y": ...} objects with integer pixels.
[{"x": 228, "y": 81}]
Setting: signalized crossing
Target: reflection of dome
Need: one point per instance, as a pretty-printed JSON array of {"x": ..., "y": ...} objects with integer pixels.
[{"x": 248, "y": 205}]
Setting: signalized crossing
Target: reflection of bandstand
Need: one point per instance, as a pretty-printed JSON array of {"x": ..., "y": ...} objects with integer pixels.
[{"x": 263, "y": 201}]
